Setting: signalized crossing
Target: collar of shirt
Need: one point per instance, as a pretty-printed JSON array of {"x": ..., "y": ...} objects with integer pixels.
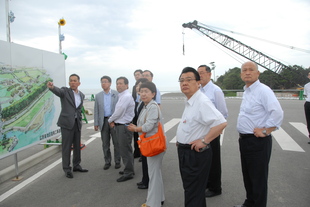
[
  {"x": 192, "y": 99},
  {"x": 252, "y": 86},
  {"x": 107, "y": 93},
  {"x": 77, "y": 98}
]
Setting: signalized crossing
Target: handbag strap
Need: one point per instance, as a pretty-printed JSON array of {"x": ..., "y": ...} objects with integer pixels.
[{"x": 158, "y": 113}]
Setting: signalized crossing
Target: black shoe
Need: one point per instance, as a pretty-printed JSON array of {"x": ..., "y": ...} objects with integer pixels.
[
  {"x": 140, "y": 159},
  {"x": 124, "y": 178},
  {"x": 162, "y": 203},
  {"x": 308, "y": 142},
  {"x": 210, "y": 193},
  {"x": 143, "y": 186},
  {"x": 117, "y": 165},
  {"x": 106, "y": 166},
  {"x": 79, "y": 169},
  {"x": 140, "y": 183},
  {"x": 69, "y": 174},
  {"x": 121, "y": 172}
]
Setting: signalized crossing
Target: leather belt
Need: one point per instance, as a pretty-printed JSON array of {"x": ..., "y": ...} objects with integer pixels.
[
  {"x": 118, "y": 124},
  {"x": 244, "y": 136},
  {"x": 185, "y": 146}
]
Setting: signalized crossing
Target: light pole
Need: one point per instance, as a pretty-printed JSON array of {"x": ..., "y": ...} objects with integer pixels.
[
  {"x": 9, "y": 19},
  {"x": 213, "y": 68},
  {"x": 62, "y": 22}
]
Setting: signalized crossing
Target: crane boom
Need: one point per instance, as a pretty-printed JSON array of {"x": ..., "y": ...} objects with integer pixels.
[{"x": 239, "y": 48}]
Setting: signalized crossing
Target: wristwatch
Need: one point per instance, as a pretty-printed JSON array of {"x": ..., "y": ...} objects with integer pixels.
[
  {"x": 265, "y": 132},
  {"x": 203, "y": 141}
]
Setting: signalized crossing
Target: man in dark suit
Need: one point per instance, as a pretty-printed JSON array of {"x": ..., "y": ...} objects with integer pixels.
[
  {"x": 105, "y": 102},
  {"x": 70, "y": 122}
]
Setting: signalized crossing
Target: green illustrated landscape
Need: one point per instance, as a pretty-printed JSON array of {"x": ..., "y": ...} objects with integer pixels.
[{"x": 24, "y": 101}]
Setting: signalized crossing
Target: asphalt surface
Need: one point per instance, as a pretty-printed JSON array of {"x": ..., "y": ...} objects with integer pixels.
[{"x": 45, "y": 184}]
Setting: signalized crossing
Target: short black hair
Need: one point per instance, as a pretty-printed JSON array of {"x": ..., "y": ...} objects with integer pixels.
[
  {"x": 190, "y": 70},
  {"x": 208, "y": 69},
  {"x": 138, "y": 70},
  {"x": 151, "y": 86},
  {"x": 148, "y": 71},
  {"x": 124, "y": 78},
  {"x": 141, "y": 80},
  {"x": 106, "y": 77},
  {"x": 75, "y": 75}
]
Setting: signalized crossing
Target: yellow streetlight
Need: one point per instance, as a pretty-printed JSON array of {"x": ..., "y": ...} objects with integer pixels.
[{"x": 61, "y": 22}]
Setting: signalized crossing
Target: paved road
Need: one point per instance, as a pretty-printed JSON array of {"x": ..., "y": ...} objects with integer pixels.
[{"x": 289, "y": 179}]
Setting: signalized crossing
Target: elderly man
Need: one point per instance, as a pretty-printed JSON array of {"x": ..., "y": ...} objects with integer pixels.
[
  {"x": 260, "y": 114},
  {"x": 216, "y": 95},
  {"x": 201, "y": 122}
]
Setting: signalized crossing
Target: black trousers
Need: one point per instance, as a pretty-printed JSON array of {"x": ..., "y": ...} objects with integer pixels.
[
  {"x": 194, "y": 168},
  {"x": 145, "y": 174},
  {"x": 215, "y": 174},
  {"x": 307, "y": 113},
  {"x": 71, "y": 137},
  {"x": 136, "y": 152},
  {"x": 255, "y": 155}
]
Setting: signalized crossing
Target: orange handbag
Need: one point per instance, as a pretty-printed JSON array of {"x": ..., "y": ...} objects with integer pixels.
[{"x": 153, "y": 145}]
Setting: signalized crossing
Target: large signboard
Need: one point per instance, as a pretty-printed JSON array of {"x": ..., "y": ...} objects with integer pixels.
[{"x": 28, "y": 110}]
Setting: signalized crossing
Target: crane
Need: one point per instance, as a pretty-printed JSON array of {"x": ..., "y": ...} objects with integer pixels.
[{"x": 240, "y": 48}]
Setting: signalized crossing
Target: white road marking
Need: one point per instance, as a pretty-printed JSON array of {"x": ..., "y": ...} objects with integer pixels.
[
  {"x": 301, "y": 127},
  {"x": 37, "y": 175},
  {"x": 285, "y": 141}
]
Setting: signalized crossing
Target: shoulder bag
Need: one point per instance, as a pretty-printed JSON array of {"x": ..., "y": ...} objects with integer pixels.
[{"x": 153, "y": 145}]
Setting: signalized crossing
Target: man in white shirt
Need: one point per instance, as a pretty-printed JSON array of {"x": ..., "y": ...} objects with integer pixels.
[
  {"x": 201, "y": 123},
  {"x": 260, "y": 114},
  {"x": 216, "y": 95},
  {"x": 307, "y": 105},
  {"x": 122, "y": 116}
]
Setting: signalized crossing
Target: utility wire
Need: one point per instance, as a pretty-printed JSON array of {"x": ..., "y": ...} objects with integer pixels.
[{"x": 261, "y": 39}]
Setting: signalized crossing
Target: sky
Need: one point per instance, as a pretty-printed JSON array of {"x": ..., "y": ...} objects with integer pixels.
[{"x": 114, "y": 38}]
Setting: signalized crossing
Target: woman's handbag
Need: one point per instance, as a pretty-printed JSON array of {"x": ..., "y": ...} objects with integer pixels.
[{"x": 153, "y": 145}]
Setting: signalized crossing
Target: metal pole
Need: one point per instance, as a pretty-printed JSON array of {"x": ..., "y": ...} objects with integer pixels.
[
  {"x": 16, "y": 167},
  {"x": 8, "y": 32},
  {"x": 60, "y": 49}
]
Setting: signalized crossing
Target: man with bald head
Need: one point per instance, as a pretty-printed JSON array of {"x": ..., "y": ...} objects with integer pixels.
[{"x": 260, "y": 114}]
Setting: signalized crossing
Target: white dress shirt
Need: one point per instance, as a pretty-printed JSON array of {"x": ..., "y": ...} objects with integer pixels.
[
  {"x": 259, "y": 109},
  {"x": 198, "y": 117},
  {"x": 216, "y": 95},
  {"x": 77, "y": 98},
  {"x": 307, "y": 91},
  {"x": 124, "y": 109}
]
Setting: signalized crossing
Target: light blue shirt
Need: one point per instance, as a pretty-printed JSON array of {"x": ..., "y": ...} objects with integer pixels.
[
  {"x": 158, "y": 97},
  {"x": 259, "y": 109},
  {"x": 216, "y": 95},
  {"x": 107, "y": 103}
]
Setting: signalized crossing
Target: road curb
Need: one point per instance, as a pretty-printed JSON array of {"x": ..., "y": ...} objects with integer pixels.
[{"x": 9, "y": 172}]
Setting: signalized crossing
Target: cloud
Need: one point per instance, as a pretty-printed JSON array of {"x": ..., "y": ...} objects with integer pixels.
[{"x": 116, "y": 37}]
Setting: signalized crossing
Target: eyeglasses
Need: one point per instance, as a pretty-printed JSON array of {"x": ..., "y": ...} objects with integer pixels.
[
  {"x": 186, "y": 80},
  {"x": 104, "y": 82}
]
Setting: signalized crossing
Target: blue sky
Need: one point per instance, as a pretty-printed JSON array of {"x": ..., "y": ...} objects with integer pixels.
[{"x": 116, "y": 37}]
